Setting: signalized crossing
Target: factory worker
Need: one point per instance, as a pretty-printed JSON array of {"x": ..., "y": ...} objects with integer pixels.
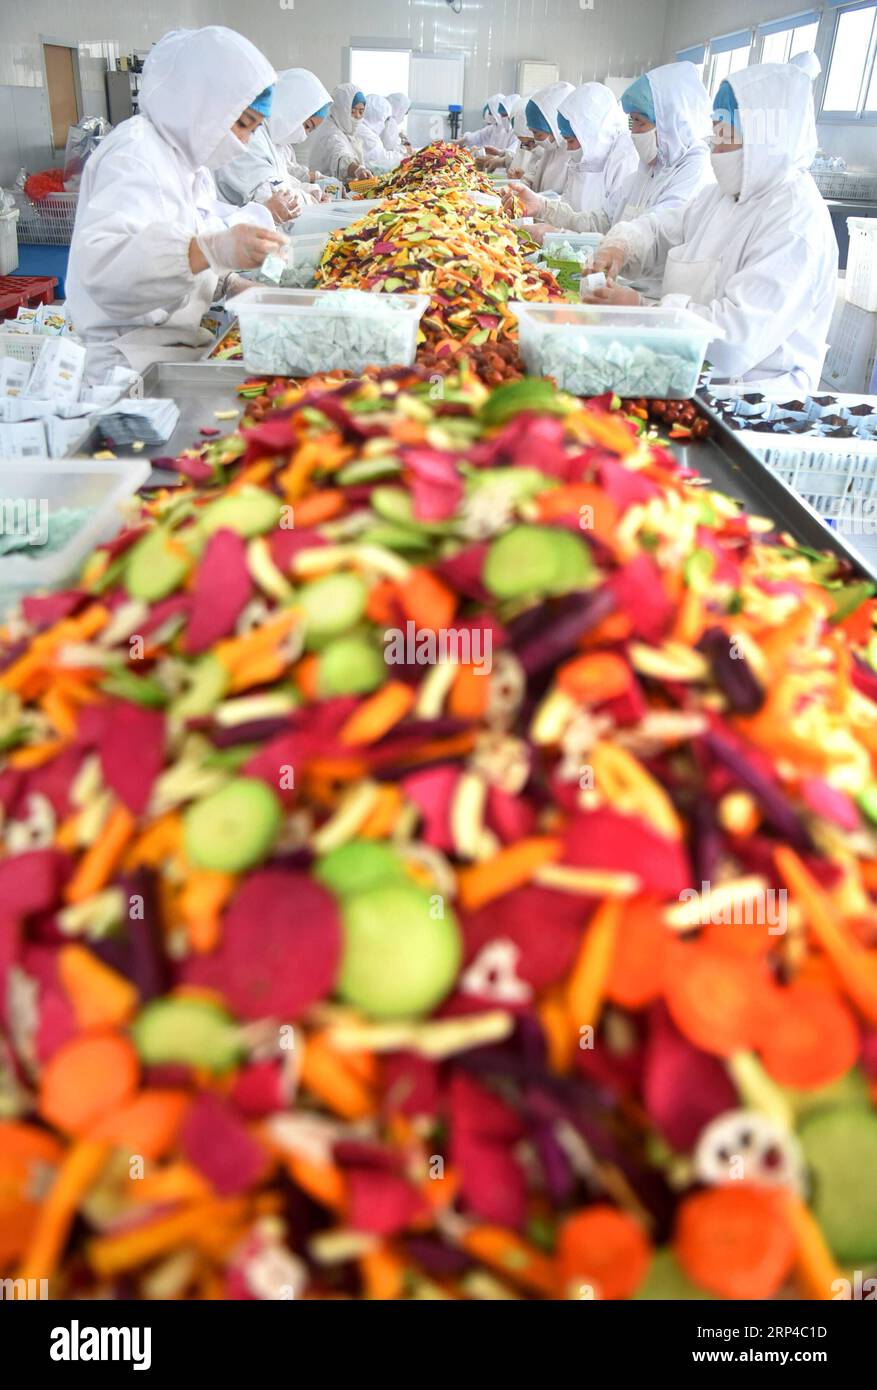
[
  {"x": 753, "y": 254},
  {"x": 808, "y": 63},
  {"x": 377, "y": 156},
  {"x": 393, "y": 136},
  {"x": 523, "y": 162},
  {"x": 261, "y": 174},
  {"x": 491, "y": 132},
  {"x": 603, "y": 158},
  {"x": 149, "y": 246},
  {"x": 669, "y": 115},
  {"x": 301, "y": 103},
  {"x": 337, "y": 144},
  {"x": 543, "y": 110}
]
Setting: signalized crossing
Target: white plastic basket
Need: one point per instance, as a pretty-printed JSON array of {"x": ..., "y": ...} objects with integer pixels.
[
  {"x": 261, "y": 308},
  {"x": 48, "y": 222},
  {"x": 101, "y": 487},
  {"x": 590, "y": 349},
  {"x": 861, "y": 279},
  {"x": 26, "y": 347},
  {"x": 9, "y": 241}
]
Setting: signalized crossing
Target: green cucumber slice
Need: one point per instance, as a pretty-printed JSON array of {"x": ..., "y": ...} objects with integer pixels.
[
  {"x": 331, "y": 606},
  {"x": 399, "y": 959},
  {"x": 250, "y": 512},
  {"x": 517, "y": 396},
  {"x": 233, "y": 828},
  {"x": 397, "y": 538},
  {"x": 351, "y": 666},
  {"x": 396, "y": 505},
  {"x": 140, "y": 690},
  {"x": 153, "y": 569},
  {"x": 532, "y": 561},
  {"x": 187, "y": 1032},
  {"x": 208, "y": 681},
  {"x": 840, "y": 1148},
  {"x": 358, "y": 866}
]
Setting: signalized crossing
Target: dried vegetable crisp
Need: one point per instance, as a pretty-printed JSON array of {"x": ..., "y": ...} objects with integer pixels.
[{"x": 221, "y": 841}]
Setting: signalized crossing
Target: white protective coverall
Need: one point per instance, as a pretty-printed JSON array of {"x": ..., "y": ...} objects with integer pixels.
[
  {"x": 337, "y": 143},
  {"x": 147, "y": 191},
  {"x": 377, "y": 157},
  {"x": 298, "y": 94},
  {"x": 497, "y": 132},
  {"x": 598, "y": 175},
  {"x": 554, "y": 161},
  {"x": 392, "y": 136},
  {"x": 682, "y": 169},
  {"x": 760, "y": 266},
  {"x": 521, "y": 162}
]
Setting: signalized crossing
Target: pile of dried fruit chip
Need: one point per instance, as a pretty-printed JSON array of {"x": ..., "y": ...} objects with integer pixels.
[
  {"x": 436, "y": 166},
  {"x": 548, "y": 969},
  {"x": 466, "y": 257}
]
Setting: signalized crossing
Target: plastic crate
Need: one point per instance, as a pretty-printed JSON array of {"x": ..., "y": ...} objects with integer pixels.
[
  {"x": 259, "y": 306},
  {"x": 17, "y": 290},
  {"x": 838, "y": 477},
  {"x": 48, "y": 222},
  {"x": 103, "y": 487},
  {"x": 26, "y": 347},
  {"x": 9, "y": 241},
  {"x": 861, "y": 278},
  {"x": 591, "y": 349}
]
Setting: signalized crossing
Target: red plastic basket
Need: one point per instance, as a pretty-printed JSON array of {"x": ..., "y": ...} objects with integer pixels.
[{"x": 25, "y": 289}]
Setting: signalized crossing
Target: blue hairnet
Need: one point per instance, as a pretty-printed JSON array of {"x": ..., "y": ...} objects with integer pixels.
[
  {"x": 565, "y": 128},
  {"x": 358, "y": 100},
  {"x": 725, "y": 107},
  {"x": 502, "y": 110},
  {"x": 324, "y": 110},
  {"x": 638, "y": 99},
  {"x": 535, "y": 119},
  {"x": 262, "y": 103}
]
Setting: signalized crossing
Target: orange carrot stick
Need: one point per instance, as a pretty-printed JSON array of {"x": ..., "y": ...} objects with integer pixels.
[
  {"x": 200, "y": 904},
  {"x": 816, "y": 1265},
  {"x": 383, "y": 1274},
  {"x": 512, "y": 1257},
  {"x": 587, "y": 984},
  {"x": 426, "y": 600},
  {"x": 100, "y": 996},
  {"x": 324, "y": 1072},
  {"x": 470, "y": 693},
  {"x": 319, "y": 507},
  {"x": 100, "y": 859},
  {"x": 147, "y": 1125},
  {"x": 81, "y": 1168},
  {"x": 510, "y": 868},
  {"x": 378, "y": 714}
]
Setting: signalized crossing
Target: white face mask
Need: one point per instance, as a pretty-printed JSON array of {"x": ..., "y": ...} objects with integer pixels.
[
  {"x": 298, "y": 136},
  {"x": 229, "y": 148},
  {"x": 646, "y": 146},
  {"x": 728, "y": 169}
]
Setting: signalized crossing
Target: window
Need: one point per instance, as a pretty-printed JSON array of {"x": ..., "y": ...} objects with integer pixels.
[
  {"x": 727, "y": 55},
  {"x": 381, "y": 70},
  {"x": 851, "y": 85},
  {"x": 695, "y": 55},
  {"x": 782, "y": 39}
]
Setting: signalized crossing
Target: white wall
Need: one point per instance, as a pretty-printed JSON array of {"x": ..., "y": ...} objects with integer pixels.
[
  {"x": 615, "y": 38},
  {"x": 694, "y": 21}
]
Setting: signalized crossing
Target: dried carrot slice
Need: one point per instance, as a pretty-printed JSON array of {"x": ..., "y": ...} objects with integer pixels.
[
  {"x": 603, "y": 1250},
  {"x": 809, "y": 1037},
  {"x": 715, "y": 997},
  {"x": 101, "y": 997},
  {"x": 737, "y": 1242},
  {"x": 510, "y": 868},
  {"x": 636, "y": 971},
  {"x": 85, "y": 1079}
]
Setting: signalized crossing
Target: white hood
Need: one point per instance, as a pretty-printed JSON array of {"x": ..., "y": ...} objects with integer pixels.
[
  {"x": 809, "y": 63},
  {"x": 778, "y": 124},
  {"x": 549, "y": 100},
  {"x": 377, "y": 112},
  {"x": 342, "y": 108},
  {"x": 493, "y": 105},
  {"x": 519, "y": 120},
  {"x": 298, "y": 94},
  {"x": 596, "y": 118},
  {"x": 196, "y": 83},
  {"x": 682, "y": 111},
  {"x": 400, "y": 105}
]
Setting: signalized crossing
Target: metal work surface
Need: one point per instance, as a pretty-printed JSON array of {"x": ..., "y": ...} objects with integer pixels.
[
  {"x": 199, "y": 389},
  {"x": 730, "y": 467}
]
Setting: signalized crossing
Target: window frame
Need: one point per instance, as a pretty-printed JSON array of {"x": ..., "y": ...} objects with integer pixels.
[
  {"x": 789, "y": 32},
  {"x": 860, "y": 116},
  {"x": 707, "y": 74}
]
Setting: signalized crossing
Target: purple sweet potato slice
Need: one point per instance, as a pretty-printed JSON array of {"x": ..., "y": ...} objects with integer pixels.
[{"x": 223, "y": 588}]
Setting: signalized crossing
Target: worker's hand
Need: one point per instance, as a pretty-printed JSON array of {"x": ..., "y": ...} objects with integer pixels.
[
  {"x": 613, "y": 294},
  {"x": 357, "y": 171},
  {"x": 610, "y": 259},
  {"x": 516, "y": 173},
  {"x": 235, "y": 284},
  {"x": 491, "y": 149},
  {"x": 241, "y": 247},
  {"x": 539, "y": 230},
  {"x": 530, "y": 201},
  {"x": 283, "y": 205}
]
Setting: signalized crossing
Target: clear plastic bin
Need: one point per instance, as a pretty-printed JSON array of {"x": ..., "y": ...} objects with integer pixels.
[
  {"x": 328, "y": 217},
  {"x": 630, "y": 351},
  {"x": 102, "y": 487},
  {"x": 485, "y": 200},
  {"x": 861, "y": 278},
  {"x": 302, "y": 255},
  {"x": 580, "y": 242},
  {"x": 9, "y": 241},
  {"x": 299, "y": 332}
]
